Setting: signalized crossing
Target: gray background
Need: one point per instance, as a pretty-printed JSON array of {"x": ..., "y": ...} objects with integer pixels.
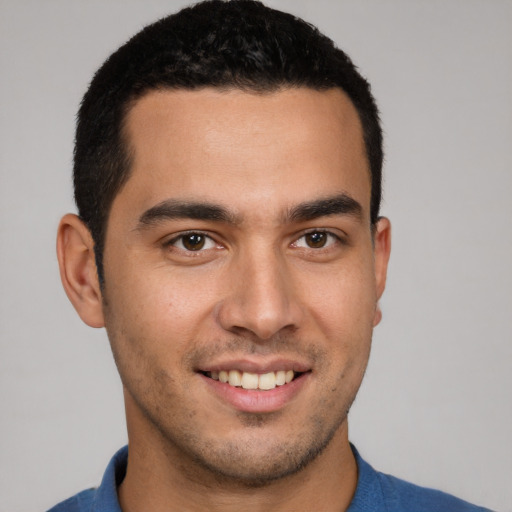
[{"x": 436, "y": 406}]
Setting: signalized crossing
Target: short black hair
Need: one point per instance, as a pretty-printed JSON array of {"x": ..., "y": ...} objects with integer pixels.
[{"x": 239, "y": 44}]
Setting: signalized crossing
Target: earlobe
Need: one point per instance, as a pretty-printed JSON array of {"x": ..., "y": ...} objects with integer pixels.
[
  {"x": 75, "y": 252},
  {"x": 378, "y": 315},
  {"x": 382, "y": 250}
]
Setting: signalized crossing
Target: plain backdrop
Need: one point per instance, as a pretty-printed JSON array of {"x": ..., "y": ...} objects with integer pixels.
[{"x": 436, "y": 405}]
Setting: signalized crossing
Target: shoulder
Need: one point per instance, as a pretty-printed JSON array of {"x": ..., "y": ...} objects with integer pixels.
[
  {"x": 81, "y": 502},
  {"x": 105, "y": 496},
  {"x": 402, "y": 495},
  {"x": 380, "y": 492}
]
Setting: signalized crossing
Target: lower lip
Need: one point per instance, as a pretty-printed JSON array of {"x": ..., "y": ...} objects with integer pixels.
[{"x": 254, "y": 400}]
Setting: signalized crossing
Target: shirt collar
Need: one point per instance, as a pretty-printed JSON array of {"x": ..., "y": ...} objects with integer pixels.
[
  {"x": 105, "y": 499},
  {"x": 368, "y": 496}
]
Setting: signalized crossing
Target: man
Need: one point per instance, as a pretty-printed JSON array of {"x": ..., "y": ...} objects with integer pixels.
[{"x": 228, "y": 180}]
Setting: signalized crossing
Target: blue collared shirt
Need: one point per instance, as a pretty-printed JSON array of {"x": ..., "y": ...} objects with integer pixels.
[{"x": 375, "y": 492}]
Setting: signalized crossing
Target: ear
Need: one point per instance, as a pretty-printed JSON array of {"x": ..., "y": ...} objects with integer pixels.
[
  {"x": 382, "y": 250},
  {"x": 75, "y": 252}
]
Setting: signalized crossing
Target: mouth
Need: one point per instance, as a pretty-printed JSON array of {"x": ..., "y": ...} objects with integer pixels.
[
  {"x": 254, "y": 381},
  {"x": 257, "y": 386}
]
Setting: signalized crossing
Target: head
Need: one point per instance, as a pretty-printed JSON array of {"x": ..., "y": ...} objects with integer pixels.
[
  {"x": 241, "y": 45},
  {"x": 227, "y": 174}
]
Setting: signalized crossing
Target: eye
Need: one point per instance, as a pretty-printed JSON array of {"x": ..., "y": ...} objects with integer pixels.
[
  {"x": 193, "y": 242},
  {"x": 316, "y": 240}
]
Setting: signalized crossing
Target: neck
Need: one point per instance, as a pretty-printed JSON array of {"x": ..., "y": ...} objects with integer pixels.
[{"x": 161, "y": 478}]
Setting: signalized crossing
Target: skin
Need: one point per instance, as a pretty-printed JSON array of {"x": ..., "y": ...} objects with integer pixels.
[{"x": 258, "y": 293}]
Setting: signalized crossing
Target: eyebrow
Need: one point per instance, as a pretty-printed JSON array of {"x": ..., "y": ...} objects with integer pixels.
[
  {"x": 172, "y": 209},
  {"x": 341, "y": 204}
]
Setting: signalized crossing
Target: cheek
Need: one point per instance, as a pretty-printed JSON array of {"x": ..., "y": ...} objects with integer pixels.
[
  {"x": 342, "y": 298},
  {"x": 163, "y": 309},
  {"x": 342, "y": 303}
]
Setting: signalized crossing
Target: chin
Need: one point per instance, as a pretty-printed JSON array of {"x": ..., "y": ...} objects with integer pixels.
[{"x": 252, "y": 462}]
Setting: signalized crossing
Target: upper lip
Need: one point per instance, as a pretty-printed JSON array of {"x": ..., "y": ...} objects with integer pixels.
[{"x": 256, "y": 365}]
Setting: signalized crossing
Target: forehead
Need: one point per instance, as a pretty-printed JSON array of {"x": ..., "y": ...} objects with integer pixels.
[{"x": 243, "y": 148}]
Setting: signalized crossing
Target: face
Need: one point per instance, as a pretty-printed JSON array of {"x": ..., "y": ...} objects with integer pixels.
[{"x": 240, "y": 250}]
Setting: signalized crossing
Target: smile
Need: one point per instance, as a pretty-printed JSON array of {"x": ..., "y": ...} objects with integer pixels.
[
  {"x": 257, "y": 387},
  {"x": 248, "y": 380}
]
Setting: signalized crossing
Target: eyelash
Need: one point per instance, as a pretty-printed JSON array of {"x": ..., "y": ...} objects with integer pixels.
[
  {"x": 334, "y": 240},
  {"x": 173, "y": 242}
]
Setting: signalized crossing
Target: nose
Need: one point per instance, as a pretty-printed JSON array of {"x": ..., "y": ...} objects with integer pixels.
[{"x": 260, "y": 298}]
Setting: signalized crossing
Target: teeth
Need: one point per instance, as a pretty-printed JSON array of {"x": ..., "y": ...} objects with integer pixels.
[
  {"x": 249, "y": 380},
  {"x": 267, "y": 381},
  {"x": 246, "y": 380},
  {"x": 235, "y": 378}
]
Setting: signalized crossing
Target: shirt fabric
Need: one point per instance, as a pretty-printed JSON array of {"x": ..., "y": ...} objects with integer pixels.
[{"x": 375, "y": 492}]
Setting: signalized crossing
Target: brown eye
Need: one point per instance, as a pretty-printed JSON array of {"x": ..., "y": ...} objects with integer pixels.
[
  {"x": 316, "y": 239},
  {"x": 193, "y": 241}
]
